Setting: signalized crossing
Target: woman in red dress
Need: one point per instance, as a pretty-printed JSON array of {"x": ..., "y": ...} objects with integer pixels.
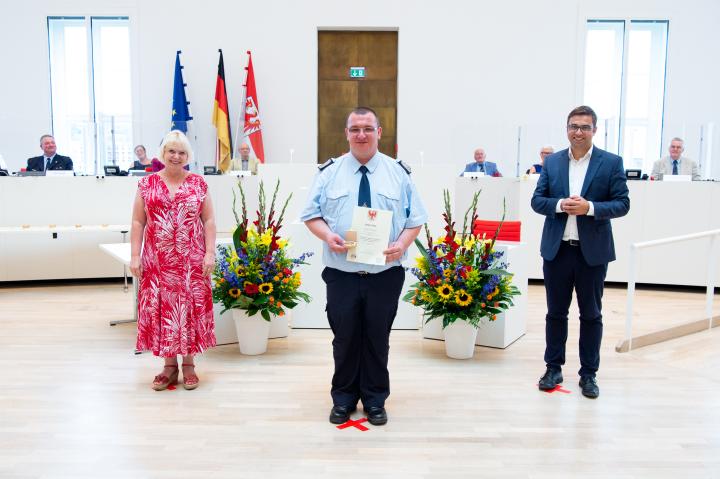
[{"x": 174, "y": 226}]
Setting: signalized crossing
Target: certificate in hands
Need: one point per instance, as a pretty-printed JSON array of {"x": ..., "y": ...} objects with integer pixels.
[{"x": 371, "y": 228}]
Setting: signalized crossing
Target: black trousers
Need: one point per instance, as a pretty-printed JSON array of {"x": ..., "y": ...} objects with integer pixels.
[
  {"x": 566, "y": 272},
  {"x": 361, "y": 309}
]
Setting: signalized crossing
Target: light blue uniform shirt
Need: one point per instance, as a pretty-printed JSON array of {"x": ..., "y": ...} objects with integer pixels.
[{"x": 334, "y": 195}]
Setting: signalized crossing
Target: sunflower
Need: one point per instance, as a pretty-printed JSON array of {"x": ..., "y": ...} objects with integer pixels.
[
  {"x": 448, "y": 272},
  {"x": 234, "y": 292},
  {"x": 266, "y": 288},
  {"x": 239, "y": 270},
  {"x": 444, "y": 290},
  {"x": 462, "y": 298}
]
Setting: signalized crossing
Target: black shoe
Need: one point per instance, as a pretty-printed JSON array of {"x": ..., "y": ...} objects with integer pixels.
[
  {"x": 550, "y": 379},
  {"x": 376, "y": 415},
  {"x": 589, "y": 387},
  {"x": 341, "y": 414}
]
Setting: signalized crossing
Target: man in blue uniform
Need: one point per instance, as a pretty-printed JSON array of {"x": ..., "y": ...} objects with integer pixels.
[{"x": 362, "y": 299}]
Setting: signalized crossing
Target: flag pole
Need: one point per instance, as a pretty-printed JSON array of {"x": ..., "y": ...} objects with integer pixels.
[{"x": 241, "y": 115}]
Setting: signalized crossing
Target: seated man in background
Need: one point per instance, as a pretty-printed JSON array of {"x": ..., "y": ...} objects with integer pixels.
[
  {"x": 245, "y": 162},
  {"x": 675, "y": 164},
  {"x": 481, "y": 166},
  {"x": 49, "y": 160},
  {"x": 536, "y": 169}
]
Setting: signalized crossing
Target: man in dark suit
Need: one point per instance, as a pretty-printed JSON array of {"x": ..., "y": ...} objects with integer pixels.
[
  {"x": 49, "y": 160},
  {"x": 579, "y": 191}
]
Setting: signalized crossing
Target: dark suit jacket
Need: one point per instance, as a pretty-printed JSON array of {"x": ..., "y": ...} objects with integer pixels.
[
  {"x": 605, "y": 185},
  {"x": 59, "y": 162}
]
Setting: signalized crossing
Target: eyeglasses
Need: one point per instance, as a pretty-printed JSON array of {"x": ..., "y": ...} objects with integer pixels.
[
  {"x": 583, "y": 128},
  {"x": 368, "y": 130}
]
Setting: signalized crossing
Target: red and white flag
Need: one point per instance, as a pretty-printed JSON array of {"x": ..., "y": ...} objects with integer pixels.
[{"x": 253, "y": 127}]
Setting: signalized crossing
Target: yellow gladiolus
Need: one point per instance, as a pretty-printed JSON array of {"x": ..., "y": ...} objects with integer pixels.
[{"x": 266, "y": 238}]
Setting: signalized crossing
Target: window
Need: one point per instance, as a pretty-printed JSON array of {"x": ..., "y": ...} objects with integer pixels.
[
  {"x": 625, "y": 84},
  {"x": 90, "y": 90}
]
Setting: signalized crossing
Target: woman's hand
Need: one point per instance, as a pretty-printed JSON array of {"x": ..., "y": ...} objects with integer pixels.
[
  {"x": 136, "y": 266},
  {"x": 208, "y": 263}
]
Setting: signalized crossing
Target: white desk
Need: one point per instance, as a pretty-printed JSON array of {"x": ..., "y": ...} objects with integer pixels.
[
  {"x": 101, "y": 207},
  {"x": 121, "y": 253},
  {"x": 657, "y": 210},
  {"x": 224, "y": 326}
]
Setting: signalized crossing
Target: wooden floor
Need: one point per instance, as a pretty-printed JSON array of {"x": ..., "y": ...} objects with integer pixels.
[{"x": 76, "y": 402}]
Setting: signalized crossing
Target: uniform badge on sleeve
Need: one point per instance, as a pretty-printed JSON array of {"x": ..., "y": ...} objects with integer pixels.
[
  {"x": 326, "y": 164},
  {"x": 404, "y": 166}
]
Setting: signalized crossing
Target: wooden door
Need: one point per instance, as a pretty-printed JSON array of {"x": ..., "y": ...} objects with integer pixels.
[{"x": 338, "y": 93}]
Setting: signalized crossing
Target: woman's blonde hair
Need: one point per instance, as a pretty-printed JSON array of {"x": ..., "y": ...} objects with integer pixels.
[{"x": 176, "y": 137}]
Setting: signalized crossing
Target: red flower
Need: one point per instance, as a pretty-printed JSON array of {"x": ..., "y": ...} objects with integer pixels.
[
  {"x": 251, "y": 288},
  {"x": 287, "y": 271}
]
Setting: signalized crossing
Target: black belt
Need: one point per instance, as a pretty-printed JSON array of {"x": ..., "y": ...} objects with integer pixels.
[
  {"x": 362, "y": 273},
  {"x": 572, "y": 242}
]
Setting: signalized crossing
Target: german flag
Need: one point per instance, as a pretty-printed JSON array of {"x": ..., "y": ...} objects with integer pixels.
[{"x": 221, "y": 120}]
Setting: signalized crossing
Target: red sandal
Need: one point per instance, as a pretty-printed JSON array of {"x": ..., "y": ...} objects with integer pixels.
[
  {"x": 161, "y": 382},
  {"x": 190, "y": 381}
]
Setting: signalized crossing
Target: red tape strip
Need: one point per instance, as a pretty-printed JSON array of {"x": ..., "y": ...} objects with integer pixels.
[{"x": 356, "y": 424}]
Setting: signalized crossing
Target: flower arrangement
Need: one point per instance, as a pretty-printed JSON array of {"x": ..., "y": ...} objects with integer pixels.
[
  {"x": 461, "y": 277},
  {"x": 256, "y": 273}
]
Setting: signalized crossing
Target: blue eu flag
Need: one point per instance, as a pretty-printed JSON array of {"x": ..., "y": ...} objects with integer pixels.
[{"x": 180, "y": 112}]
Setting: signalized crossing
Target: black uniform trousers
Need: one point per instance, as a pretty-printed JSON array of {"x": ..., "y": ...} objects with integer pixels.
[
  {"x": 568, "y": 271},
  {"x": 361, "y": 309}
]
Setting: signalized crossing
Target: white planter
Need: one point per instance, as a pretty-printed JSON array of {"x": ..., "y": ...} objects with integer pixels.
[
  {"x": 433, "y": 329},
  {"x": 280, "y": 326},
  {"x": 225, "y": 332},
  {"x": 252, "y": 332},
  {"x": 460, "y": 340}
]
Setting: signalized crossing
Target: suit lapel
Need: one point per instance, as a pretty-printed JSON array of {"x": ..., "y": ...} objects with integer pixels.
[
  {"x": 592, "y": 169},
  {"x": 565, "y": 174}
]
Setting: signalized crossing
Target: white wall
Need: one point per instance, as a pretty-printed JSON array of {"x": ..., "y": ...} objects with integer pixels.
[{"x": 470, "y": 73}]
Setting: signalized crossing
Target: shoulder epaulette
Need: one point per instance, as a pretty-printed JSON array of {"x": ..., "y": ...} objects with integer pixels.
[
  {"x": 326, "y": 164},
  {"x": 405, "y": 167}
]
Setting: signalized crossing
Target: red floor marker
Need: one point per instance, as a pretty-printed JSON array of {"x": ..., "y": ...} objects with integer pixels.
[
  {"x": 356, "y": 424},
  {"x": 559, "y": 389},
  {"x": 171, "y": 387}
]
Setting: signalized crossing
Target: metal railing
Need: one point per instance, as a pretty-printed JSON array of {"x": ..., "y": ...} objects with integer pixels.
[{"x": 711, "y": 266}]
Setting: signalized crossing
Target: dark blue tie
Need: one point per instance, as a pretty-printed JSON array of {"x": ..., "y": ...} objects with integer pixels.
[
  {"x": 480, "y": 167},
  {"x": 364, "y": 191},
  {"x": 675, "y": 172},
  {"x": 47, "y": 165}
]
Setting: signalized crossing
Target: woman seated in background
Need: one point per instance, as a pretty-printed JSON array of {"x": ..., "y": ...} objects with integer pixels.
[
  {"x": 142, "y": 161},
  {"x": 545, "y": 151}
]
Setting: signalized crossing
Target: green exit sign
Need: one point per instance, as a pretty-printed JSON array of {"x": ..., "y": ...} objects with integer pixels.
[{"x": 357, "y": 72}]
